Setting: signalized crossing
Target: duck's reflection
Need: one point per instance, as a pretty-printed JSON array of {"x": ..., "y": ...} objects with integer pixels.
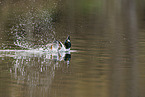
[
  {"x": 36, "y": 68},
  {"x": 67, "y": 57},
  {"x": 61, "y": 56}
]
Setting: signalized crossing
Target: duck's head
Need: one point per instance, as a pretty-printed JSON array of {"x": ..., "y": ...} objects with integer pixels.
[{"x": 67, "y": 43}]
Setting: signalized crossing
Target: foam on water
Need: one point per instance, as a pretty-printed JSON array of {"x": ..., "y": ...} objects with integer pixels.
[{"x": 35, "y": 51}]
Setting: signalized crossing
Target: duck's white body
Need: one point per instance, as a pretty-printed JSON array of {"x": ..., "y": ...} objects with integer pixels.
[{"x": 57, "y": 46}]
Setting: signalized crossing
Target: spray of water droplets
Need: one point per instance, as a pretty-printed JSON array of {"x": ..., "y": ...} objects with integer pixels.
[{"x": 34, "y": 30}]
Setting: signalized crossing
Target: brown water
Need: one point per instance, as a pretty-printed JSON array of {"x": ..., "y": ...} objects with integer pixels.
[{"x": 108, "y": 38}]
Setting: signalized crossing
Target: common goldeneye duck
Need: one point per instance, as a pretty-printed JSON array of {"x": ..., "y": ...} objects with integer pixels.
[
  {"x": 67, "y": 43},
  {"x": 58, "y": 46}
]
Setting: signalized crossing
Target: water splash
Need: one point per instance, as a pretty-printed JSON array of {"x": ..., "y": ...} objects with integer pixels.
[{"x": 34, "y": 29}]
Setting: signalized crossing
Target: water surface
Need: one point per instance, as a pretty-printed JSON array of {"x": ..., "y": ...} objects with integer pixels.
[{"x": 108, "y": 48}]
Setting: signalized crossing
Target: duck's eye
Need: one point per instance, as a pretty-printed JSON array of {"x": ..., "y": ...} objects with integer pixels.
[{"x": 68, "y": 41}]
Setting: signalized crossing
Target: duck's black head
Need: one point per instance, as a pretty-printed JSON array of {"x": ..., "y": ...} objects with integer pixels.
[{"x": 67, "y": 43}]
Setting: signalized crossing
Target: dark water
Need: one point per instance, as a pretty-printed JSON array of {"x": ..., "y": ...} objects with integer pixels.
[{"x": 108, "y": 43}]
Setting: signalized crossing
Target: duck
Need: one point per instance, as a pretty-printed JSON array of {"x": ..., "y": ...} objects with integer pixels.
[{"x": 57, "y": 46}]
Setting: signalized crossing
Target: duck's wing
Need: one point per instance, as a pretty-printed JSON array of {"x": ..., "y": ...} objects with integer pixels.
[
  {"x": 49, "y": 46},
  {"x": 54, "y": 46},
  {"x": 62, "y": 47}
]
